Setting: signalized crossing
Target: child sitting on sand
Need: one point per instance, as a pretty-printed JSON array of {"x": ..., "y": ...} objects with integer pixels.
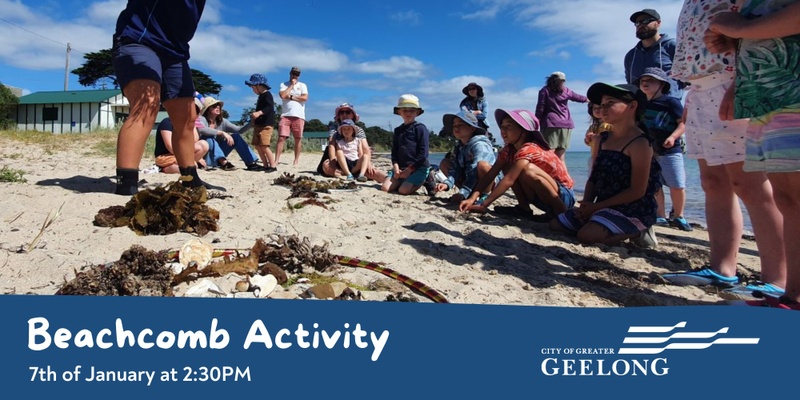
[
  {"x": 473, "y": 155},
  {"x": 535, "y": 174},
  {"x": 410, "y": 165},
  {"x": 349, "y": 154},
  {"x": 619, "y": 199}
]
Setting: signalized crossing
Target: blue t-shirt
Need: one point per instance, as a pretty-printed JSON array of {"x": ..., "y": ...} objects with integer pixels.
[{"x": 661, "y": 117}]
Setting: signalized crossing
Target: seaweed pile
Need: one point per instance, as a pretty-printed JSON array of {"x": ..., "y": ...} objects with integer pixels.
[
  {"x": 308, "y": 187},
  {"x": 288, "y": 261},
  {"x": 162, "y": 211},
  {"x": 138, "y": 272},
  {"x": 142, "y": 272}
]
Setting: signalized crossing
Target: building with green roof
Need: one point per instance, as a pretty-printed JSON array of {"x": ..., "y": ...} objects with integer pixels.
[{"x": 72, "y": 111}]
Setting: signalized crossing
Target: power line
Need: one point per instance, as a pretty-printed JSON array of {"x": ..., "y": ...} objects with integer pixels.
[{"x": 41, "y": 36}]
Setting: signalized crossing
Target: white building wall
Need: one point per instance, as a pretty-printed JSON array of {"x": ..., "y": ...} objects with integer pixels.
[{"x": 73, "y": 117}]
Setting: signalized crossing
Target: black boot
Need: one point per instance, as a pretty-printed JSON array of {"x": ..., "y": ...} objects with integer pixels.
[
  {"x": 127, "y": 181},
  {"x": 190, "y": 172}
]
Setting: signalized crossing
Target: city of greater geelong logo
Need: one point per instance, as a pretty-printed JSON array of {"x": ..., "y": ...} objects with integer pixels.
[{"x": 642, "y": 341}]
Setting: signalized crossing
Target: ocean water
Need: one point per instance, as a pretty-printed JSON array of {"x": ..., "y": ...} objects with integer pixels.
[{"x": 578, "y": 165}]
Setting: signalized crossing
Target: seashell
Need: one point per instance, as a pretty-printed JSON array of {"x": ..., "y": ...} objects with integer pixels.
[
  {"x": 265, "y": 284},
  {"x": 242, "y": 286},
  {"x": 203, "y": 288},
  {"x": 196, "y": 250}
]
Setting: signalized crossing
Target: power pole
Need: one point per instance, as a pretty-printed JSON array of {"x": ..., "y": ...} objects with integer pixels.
[{"x": 66, "y": 69}]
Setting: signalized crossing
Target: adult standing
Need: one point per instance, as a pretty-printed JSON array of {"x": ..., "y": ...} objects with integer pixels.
[
  {"x": 552, "y": 111},
  {"x": 151, "y": 53},
  {"x": 293, "y": 117},
  {"x": 720, "y": 150},
  {"x": 653, "y": 50},
  {"x": 475, "y": 102}
]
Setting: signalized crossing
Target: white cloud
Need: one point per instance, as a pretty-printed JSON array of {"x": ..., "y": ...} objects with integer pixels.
[
  {"x": 394, "y": 67},
  {"x": 411, "y": 17}
]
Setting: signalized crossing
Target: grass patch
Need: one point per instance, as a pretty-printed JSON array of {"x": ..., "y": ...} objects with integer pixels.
[
  {"x": 100, "y": 142},
  {"x": 12, "y": 175}
]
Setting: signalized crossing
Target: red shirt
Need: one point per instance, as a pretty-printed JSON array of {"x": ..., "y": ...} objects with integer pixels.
[{"x": 546, "y": 160}]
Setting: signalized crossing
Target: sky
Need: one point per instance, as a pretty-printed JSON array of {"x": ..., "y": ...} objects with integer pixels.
[{"x": 366, "y": 53}]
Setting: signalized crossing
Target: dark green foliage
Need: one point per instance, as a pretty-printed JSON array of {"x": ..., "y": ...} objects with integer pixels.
[
  {"x": 8, "y": 104},
  {"x": 98, "y": 70}
]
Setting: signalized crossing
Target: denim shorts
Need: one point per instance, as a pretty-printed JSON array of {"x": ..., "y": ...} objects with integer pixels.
[
  {"x": 417, "y": 178},
  {"x": 564, "y": 193},
  {"x": 673, "y": 172},
  {"x": 135, "y": 61}
]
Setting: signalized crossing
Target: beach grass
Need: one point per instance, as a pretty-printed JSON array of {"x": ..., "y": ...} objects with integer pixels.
[
  {"x": 100, "y": 142},
  {"x": 12, "y": 175}
]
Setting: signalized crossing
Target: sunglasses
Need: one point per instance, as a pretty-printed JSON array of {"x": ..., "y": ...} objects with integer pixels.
[
  {"x": 610, "y": 104},
  {"x": 644, "y": 21},
  {"x": 343, "y": 112}
]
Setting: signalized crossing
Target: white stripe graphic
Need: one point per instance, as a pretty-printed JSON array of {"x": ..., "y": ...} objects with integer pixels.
[
  {"x": 686, "y": 346},
  {"x": 656, "y": 329},
  {"x": 679, "y": 335}
]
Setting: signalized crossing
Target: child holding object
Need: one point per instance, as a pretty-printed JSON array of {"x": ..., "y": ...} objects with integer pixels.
[
  {"x": 410, "y": 165},
  {"x": 619, "y": 199},
  {"x": 592, "y": 137},
  {"x": 535, "y": 174}
]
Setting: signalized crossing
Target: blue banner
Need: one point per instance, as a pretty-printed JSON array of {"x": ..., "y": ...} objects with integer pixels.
[{"x": 135, "y": 347}]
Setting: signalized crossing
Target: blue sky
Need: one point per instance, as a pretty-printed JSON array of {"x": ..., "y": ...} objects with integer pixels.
[{"x": 367, "y": 53}]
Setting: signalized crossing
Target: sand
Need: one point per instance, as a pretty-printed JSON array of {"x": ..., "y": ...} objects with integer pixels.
[{"x": 468, "y": 258}]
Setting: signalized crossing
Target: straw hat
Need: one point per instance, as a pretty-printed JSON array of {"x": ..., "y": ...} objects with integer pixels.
[{"x": 209, "y": 101}]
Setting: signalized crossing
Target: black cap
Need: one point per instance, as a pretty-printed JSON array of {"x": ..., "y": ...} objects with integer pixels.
[
  {"x": 599, "y": 89},
  {"x": 646, "y": 11}
]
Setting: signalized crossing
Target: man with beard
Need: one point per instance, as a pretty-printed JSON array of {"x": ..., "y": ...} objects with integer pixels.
[{"x": 653, "y": 50}]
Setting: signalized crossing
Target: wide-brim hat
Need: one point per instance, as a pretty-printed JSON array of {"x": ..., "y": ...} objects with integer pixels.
[
  {"x": 257, "y": 79},
  {"x": 658, "y": 74},
  {"x": 647, "y": 11},
  {"x": 527, "y": 120},
  {"x": 347, "y": 122},
  {"x": 209, "y": 101},
  {"x": 465, "y": 90},
  {"x": 600, "y": 89},
  {"x": 466, "y": 116},
  {"x": 408, "y": 101},
  {"x": 345, "y": 106}
]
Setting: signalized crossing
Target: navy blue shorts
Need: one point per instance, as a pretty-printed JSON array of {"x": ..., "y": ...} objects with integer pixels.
[{"x": 135, "y": 61}]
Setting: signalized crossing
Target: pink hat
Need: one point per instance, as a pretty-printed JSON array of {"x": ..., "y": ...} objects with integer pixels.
[{"x": 527, "y": 120}]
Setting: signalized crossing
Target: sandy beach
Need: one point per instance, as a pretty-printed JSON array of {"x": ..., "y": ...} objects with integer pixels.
[{"x": 467, "y": 258}]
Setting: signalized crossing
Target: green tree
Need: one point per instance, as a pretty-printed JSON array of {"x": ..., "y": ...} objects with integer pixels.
[
  {"x": 8, "y": 103},
  {"x": 98, "y": 70},
  {"x": 315, "y": 125},
  {"x": 245, "y": 118}
]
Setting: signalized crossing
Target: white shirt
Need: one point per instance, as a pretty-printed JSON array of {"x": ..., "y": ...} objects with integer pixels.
[{"x": 294, "y": 108}]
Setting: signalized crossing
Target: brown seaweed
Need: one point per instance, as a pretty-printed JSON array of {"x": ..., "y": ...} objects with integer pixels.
[
  {"x": 162, "y": 211},
  {"x": 138, "y": 272}
]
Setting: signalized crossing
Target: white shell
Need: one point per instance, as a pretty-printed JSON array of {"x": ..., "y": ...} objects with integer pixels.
[
  {"x": 265, "y": 283},
  {"x": 203, "y": 288},
  {"x": 196, "y": 250}
]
